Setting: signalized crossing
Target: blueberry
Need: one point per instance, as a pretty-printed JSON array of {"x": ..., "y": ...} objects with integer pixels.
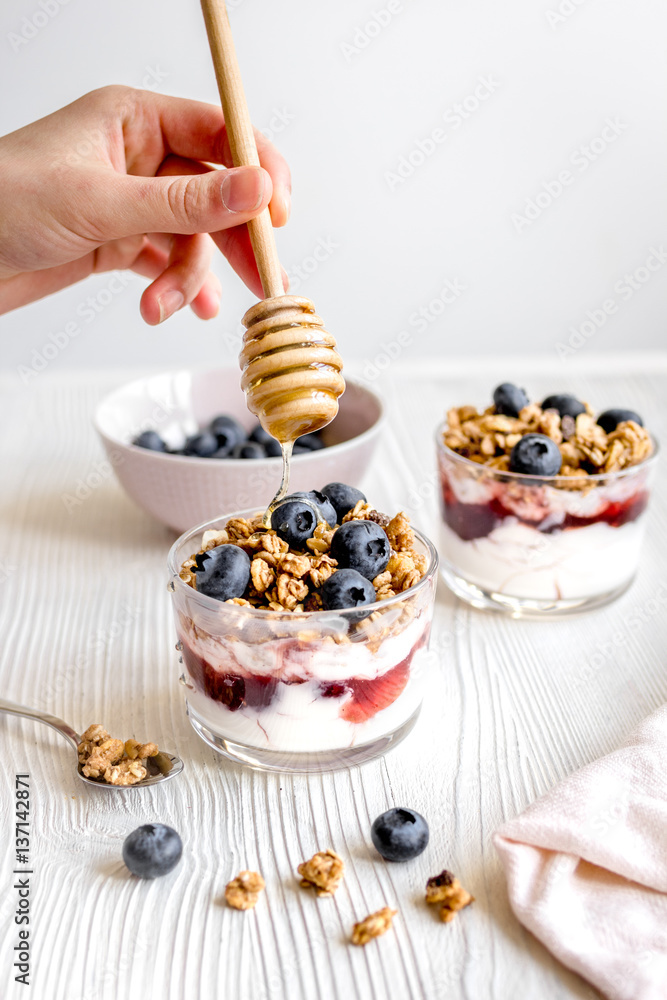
[
  {"x": 222, "y": 572},
  {"x": 509, "y": 399},
  {"x": 152, "y": 850},
  {"x": 323, "y": 504},
  {"x": 150, "y": 440},
  {"x": 343, "y": 498},
  {"x": 223, "y": 452},
  {"x": 227, "y": 430},
  {"x": 298, "y": 449},
  {"x": 361, "y": 545},
  {"x": 259, "y": 435},
  {"x": 400, "y": 834},
  {"x": 203, "y": 445},
  {"x": 567, "y": 406},
  {"x": 294, "y": 522},
  {"x": 248, "y": 449},
  {"x": 610, "y": 419},
  {"x": 313, "y": 442},
  {"x": 535, "y": 455},
  {"x": 346, "y": 588}
]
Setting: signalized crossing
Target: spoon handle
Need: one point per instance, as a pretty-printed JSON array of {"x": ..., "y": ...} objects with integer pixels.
[{"x": 49, "y": 720}]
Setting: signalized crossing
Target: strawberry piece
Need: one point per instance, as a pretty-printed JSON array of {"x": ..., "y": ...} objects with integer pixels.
[{"x": 369, "y": 697}]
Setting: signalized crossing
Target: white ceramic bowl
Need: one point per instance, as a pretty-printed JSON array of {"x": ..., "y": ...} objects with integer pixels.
[{"x": 182, "y": 491}]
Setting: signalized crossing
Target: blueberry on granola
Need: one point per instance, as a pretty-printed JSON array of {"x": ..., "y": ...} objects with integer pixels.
[
  {"x": 400, "y": 834},
  {"x": 202, "y": 445},
  {"x": 509, "y": 399},
  {"x": 343, "y": 498},
  {"x": 150, "y": 440},
  {"x": 535, "y": 455},
  {"x": 294, "y": 521},
  {"x": 323, "y": 504},
  {"x": 361, "y": 545},
  {"x": 222, "y": 572},
  {"x": 346, "y": 588},
  {"x": 152, "y": 850},
  {"x": 610, "y": 419},
  {"x": 227, "y": 430},
  {"x": 567, "y": 405}
]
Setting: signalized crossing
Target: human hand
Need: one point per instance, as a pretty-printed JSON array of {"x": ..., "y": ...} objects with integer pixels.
[{"x": 121, "y": 179}]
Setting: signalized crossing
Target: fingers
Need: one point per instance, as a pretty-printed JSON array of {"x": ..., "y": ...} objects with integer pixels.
[
  {"x": 185, "y": 204},
  {"x": 182, "y": 281},
  {"x": 196, "y": 131}
]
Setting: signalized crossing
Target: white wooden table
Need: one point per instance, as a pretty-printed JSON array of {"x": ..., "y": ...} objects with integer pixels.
[{"x": 87, "y": 634}]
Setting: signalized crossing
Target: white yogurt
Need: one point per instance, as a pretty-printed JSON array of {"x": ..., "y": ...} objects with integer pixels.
[{"x": 520, "y": 561}]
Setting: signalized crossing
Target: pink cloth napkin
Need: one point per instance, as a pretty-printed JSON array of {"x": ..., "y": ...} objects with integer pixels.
[{"x": 586, "y": 867}]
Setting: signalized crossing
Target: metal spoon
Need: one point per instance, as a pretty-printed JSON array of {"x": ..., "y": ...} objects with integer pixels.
[{"x": 160, "y": 768}]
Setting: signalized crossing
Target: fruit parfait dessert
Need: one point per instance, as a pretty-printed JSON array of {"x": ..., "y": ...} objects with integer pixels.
[
  {"x": 304, "y": 643},
  {"x": 543, "y": 504}
]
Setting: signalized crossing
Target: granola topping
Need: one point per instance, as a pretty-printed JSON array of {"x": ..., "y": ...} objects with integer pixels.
[
  {"x": 284, "y": 579},
  {"x": 116, "y": 762},
  {"x": 373, "y": 925},
  {"x": 323, "y": 872},
  {"x": 445, "y": 890},
  {"x": 586, "y": 449},
  {"x": 243, "y": 891}
]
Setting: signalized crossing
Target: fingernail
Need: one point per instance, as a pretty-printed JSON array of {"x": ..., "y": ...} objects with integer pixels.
[
  {"x": 243, "y": 189},
  {"x": 169, "y": 303},
  {"x": 287, "y": 200}
]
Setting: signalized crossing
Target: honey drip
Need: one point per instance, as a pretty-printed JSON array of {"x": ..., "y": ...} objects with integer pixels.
[{"x": 291, "y": 374}]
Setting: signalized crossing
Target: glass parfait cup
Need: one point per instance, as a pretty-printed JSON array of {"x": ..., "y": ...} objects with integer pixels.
[
  {"x": 539, "y": 545},
  {"x": 309, "y": 691}
]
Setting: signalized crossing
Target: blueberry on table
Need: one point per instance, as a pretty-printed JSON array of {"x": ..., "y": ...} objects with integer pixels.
[
  {"x": 346, "y": 588},
  {"x": 227, "y": 430},
  {"x": 567, "y": 406},
  {"x": 509, "y": 399},
  {"x": 400, "y": 834},
  {"x": 294, "y": 522},
  {"x": 323, "y": 504},
  {"x": 201, "y": 445},
  {"x": 361, "y": 545},
  {"x": 152, "y": 850},
  {"x": 313, "y": 442},
  {"x": 248, "y": 449},
  {"x": 535, "y": 455},
  {"x": 222, "y": 572},
  {"x": 150, "y": 440},
  {"x": 610, "y": 419},
  {"x": 343, "y": 498}
]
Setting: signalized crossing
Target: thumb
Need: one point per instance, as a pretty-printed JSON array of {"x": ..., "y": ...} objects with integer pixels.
[{"x": 194, "y": 203}]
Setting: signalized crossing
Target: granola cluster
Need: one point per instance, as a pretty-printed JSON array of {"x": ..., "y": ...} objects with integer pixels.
[
  {"x": 323, "y": 872},
  {"x": 445, "y": 890},
  {"x": 373, "y": 925},
  {"x": 488, "y": 438},
  {"x": 116, "y": 762},
  {"x": 243, "y": 891},
  {"x": 284, "y": 579}
]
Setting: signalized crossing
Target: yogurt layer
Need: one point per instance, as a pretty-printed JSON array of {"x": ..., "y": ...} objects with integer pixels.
[{"x": 520, "y": 561}]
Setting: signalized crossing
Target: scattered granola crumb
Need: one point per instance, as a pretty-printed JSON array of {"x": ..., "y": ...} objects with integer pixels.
[
  {"x": 116, "y": 762},
  {"x": 243, "y": 891},
  {"x": 324, "y": 872},
  {"x": 446, "y": 891},
  {"x": 373, "y": 925}
]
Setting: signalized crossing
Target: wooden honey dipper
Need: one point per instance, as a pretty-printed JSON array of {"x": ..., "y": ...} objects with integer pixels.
[{"x": 291, "y": 370}]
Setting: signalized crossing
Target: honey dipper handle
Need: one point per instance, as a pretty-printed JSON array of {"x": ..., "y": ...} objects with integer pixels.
[{"x": 241, "y": 137}]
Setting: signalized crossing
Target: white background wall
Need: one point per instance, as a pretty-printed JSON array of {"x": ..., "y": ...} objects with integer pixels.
[{"x": 357, "y": 99}]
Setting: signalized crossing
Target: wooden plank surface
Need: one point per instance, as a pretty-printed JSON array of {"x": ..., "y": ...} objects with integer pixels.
[{"x": 87, "y": 634}]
